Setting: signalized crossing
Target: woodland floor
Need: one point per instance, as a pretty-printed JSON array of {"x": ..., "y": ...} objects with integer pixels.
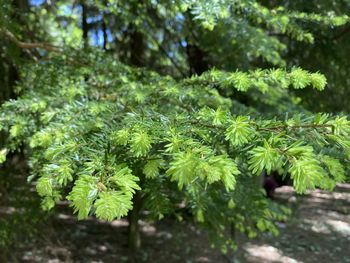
[{"x": 318, "y": 231}]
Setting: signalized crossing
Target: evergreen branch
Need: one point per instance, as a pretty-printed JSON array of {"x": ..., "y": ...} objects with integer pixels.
[
  {"x": 294, "y": 127},
  {"x": 279, "y": 127}
]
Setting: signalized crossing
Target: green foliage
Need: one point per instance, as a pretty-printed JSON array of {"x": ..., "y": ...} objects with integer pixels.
[
  {"x": 306, "y": 174},
  {"x": 83, "y": 195},
  {"x": 278, "y": 18},
  {"x": 151, "y": 168},
  {"x": 120, "y": 137},
  {"x": 125, "y": 180},
  {"x": 207, "y": 145},
  {"x": 101, "y": 130},
  {"x": 183, "y": 167},
  {"x": 140, "y": 143},
  {"x": 44, "y": 186},
  {"x": 64, "y": 173},
  {"x": 296, "y": 78},
  {"x": 112, "y": 146},
  {"x": 3, "y": 153},
  {"x": 335, "y": 168},
  {"x": 263, "y": 157},
  {"x": 111, "y": 205},
  {"x": 240, "y": 131}
]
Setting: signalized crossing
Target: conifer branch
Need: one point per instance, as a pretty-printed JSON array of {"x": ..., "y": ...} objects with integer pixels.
[
  {"x": 294, "y": 127},
  {"x": 279, "y": 127}
]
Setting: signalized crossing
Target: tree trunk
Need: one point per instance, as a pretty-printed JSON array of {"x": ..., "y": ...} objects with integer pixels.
[
  {"x": 3, "y": 256},
  {"x": 137, "y": 52},
  {"x": 195, "y": 58},
  {"x": 104, "y": 31},
  {"x": 84, "y": 23},
  {"x": 137, "y": 48},
  {"x": 22, "y": 5},
  {"x": 134, "y": 238}
]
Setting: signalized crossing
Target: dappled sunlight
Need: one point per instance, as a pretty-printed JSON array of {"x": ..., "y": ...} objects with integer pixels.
[
  {"x": 66, "y": 217},
  {"x": 147, "y": 228},
  {"x": 317, "y": 201},
  {"x": 266, "y": 253},
  {"x": 7, "y": 210},
  {"x": 343, "y": 228},
  {"x": 344, "y": 185},
  {"x": 317, "y": 226},
  {"x": 202, "y": 260},
  {"x": 331, "y": 196},
  {"x": 164, "y": 234},
  {"x": 285, "y": 190},
  {"x": 119, "y": 223}
]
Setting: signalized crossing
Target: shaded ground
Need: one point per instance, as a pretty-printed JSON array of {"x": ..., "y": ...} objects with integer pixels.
[{"x": 318, "y": 231}]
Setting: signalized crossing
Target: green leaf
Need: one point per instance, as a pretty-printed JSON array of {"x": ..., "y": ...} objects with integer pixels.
[
  {"x": 240, "y": 80},
  {"x": 120, "y": 137},
  {"x": 182, "y": 169},
  {"x": 300, "y": 151},
  {"x": 231, "y": 204},
  {"x": 220, "y": 116},
  {"x": 341, "y": 125},
  {"x": 42, "y": 139},
  {"x": 240, "y": 131},
  {"x": 83, "y": 195},
  {"x": 140, "y": 143},
  {"x": 306, "y": 174},
  {"x": 3, "y": 153},
  {"x": 125, "y": 180},
  {"x": 263, "y": 157},
  {"x": 335, "y": 168},
  {"x": 47, "y": 203},
  {"x": 200, "y": 216},
  {"x": 299, "y": 78},
  {"x": 112, "y": 205},
  {"x": 44, "y": 186},
  {"x": 151, "y": 168},
  {"x": 218, "y": 168},
  {"x": 64, "y": 173},
  {"x": 16, "y": 130},
  {"x": 318, "y": 81}
]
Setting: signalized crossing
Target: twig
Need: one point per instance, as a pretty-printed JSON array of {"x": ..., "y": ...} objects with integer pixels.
[
  {"x": 27, "y": 45},
  {"x": 293, "y": 127}
]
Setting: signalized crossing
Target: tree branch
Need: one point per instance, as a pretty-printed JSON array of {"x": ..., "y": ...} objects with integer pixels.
[
  {"x": 294, "y": 127},
  {"x": 274, "y": 128},
  {"x": 342, "y": 33},
  {"x": 27, "y": 45}
]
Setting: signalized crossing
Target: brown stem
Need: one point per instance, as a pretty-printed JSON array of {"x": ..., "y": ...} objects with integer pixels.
[
  {"x": 3, "y": 256},
  {"x": 293, "y": 127},
  {"x": 27, "y": 45},
  {"x": 134, "y": 238}
]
